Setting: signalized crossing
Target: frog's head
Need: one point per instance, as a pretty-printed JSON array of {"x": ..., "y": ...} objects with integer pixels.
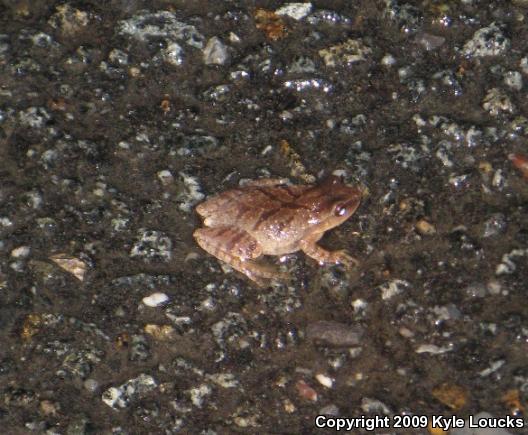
[{"x": 336, "y": 202}]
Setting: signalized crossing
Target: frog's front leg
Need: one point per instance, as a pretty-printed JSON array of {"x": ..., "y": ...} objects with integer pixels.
[
  {"x": 310, "y": 247},
  {"x": 236, "y": 248}
]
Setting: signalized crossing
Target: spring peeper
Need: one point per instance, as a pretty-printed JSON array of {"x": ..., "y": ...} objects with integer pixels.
[{"x": 269, "y": 217}]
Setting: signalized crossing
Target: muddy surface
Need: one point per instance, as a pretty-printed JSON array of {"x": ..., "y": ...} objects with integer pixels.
[{"x": 117, "y": 118}]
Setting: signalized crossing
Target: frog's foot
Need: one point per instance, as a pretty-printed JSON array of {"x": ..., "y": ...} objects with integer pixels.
[
  {"x": 341, "y": 256},
  {"x": 321, "y": 255},
  {"x": 263, "y": 274},
  {"x": 236, "y": 248}
]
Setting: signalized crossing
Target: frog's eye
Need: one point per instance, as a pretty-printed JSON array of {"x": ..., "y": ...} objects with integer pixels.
[{"x": 340, "y": 209}]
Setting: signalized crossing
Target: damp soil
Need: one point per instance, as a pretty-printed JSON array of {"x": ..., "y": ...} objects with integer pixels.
[{"x": 117, "y": 118}]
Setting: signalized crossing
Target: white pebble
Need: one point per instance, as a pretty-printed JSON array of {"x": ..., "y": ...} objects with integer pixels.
[
  {"x": 91, "y": 385},
  {"x": 359, "y": 305},
  {"x": 165, "y": 177},
  {"x": 20, "y": 252},
  {"x": 215, "y": 52},
  {"x": 155, "y": 299},
  {"x": 513, "y": 79},
  {"x": 233, "y": 37},
  {"x": 388, "y": 60},
  {"x": 297, "y": 11},
  {"x": 325, "y": 381}
]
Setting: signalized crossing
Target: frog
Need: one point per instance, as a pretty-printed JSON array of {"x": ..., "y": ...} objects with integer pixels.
[{"x": 272, "y": 217}]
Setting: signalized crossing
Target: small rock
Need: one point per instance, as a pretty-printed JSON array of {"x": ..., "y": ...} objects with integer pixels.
[
  {"x": 446, "y": 312},
  {"x": 513, "y": 79},
  {"x": 219, "y": 93},
  {"x": 374, "y": 406},
  {"x": 34, "y": 117},
  {"x": 409, "y": 156},
  {"x": 165, "y": 177},
  {"x": 91, "y": 385},
  {"x": 475, "y": 290},
  {"x": 78, "y": 425},
  {"x": 499, "y": 180},
  {"x": 301, "y": 85},
  {"x": 247, "y": 421},
  {"x": 507, "y": 265},
  {"x": 520, "y": 161},
  {"x": 120, "y": 397},
  {"x": 494, "y": 366},
  {"x": 523, "y": 63},
  {"x": 302, "y": 65},
  {"x": 68, "y": 19},
  {"x": 519, "y": 126},
  {"x": 335, "y": 282},
  {"x": 161, "y": 24},
  {"x": 494, "y": 287},
  {"x": 432, "y": 348},
  {"x": 388, "y": 60},
  {"x": 350, "y": 51},
  {"x": 173, "y": 54},
  {"x": 271, "y": 24},
  {"x": 359, "y": 305},
  {"x": 199, "y": 394},
  {"x": 488, "y": 41},
  {"x": 191, "y": 194},
  {"x": 118, "y": 57},
  {"x": 160, "y": 332},
  {"x": 393, "y": 288},
  {"x": 406, "y": 332},
  {"x": 425, "y": 227},
  {"x": 215, "y": 52},
  {"x": 288, "y": 406},
  {"x": 297, "y": 11},
  {"x": 323, "y": 16},
  {"x": 49, "y": 408},
  {"x": 70, "y": 264},
  {"x": 330, "y": 410},
  {"x": 497, "y": 102},
  {"x": 430, "y": 41},
  {"x": 458, "y": 181},
  {"x": 138, "y": 348},
  {"x": 324, "y": 380},
  {"x": 152, "y": 245},
  {"x": 234, "y": 38},
  {"x": 79, "y": 363},
  {"x": 330, "y": 333},
  {"x": 224, "y": 380},
  {"x": 494, "y": 225},
  {"x": 21, "y": 252},
  {"x": 407, "y": 16},
  {"x": 305, "y": 391},
  {"x": 155, "y": 299}
]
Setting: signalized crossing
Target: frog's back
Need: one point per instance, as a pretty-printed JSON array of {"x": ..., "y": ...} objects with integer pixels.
[{"x": 246, "y": 207}]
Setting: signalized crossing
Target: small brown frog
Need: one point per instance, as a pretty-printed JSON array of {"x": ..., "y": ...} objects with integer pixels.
[{"x": 269, "y": 217}]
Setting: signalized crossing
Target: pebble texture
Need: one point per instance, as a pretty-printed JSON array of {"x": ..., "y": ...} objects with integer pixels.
[{"x": 118, "y": 118}]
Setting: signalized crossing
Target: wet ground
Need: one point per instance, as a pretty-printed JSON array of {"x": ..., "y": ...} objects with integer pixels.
[{"x": 117, "y": 118}]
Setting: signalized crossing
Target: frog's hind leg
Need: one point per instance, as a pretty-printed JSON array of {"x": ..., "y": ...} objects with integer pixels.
[{"x": 238, "y": 249}]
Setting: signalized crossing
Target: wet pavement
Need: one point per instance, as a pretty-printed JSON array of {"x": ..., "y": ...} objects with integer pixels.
[{"x": 117, "y": 118}]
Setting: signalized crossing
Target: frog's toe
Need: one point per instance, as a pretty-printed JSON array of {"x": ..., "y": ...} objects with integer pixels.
[
  {"x": 283, "y": 277},
  {"x": 259, "y": 281},
  {"x": 261, "y": 273},
  {"x": 343, "y": 257}
]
